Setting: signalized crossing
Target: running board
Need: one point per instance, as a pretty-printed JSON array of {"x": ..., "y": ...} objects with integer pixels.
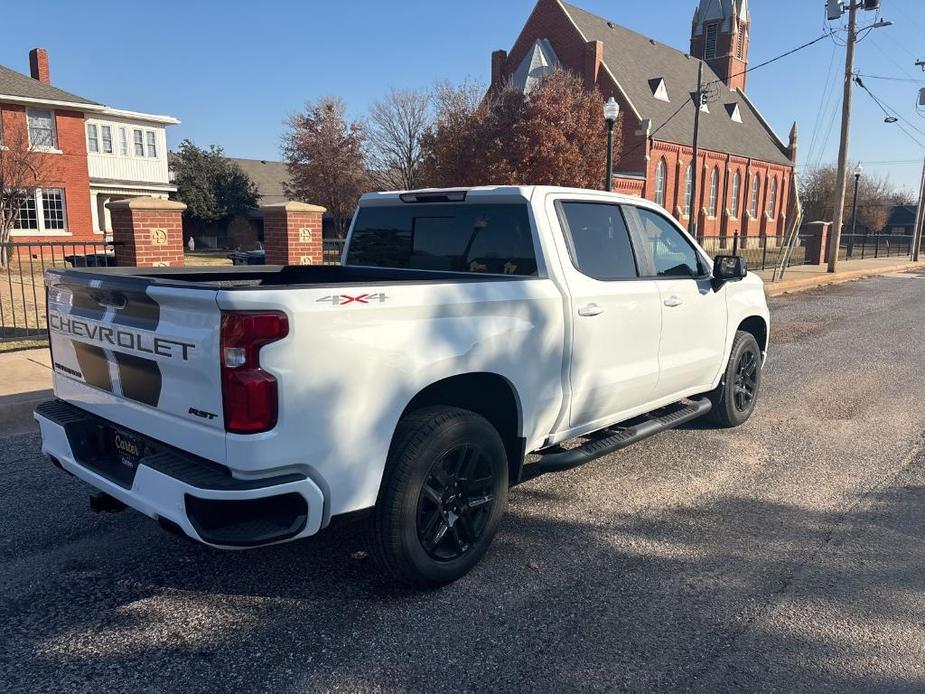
[{"x": 624, "y": 436}]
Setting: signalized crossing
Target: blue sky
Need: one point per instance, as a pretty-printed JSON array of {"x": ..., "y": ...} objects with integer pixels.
[{"x": 232, "y": 71}]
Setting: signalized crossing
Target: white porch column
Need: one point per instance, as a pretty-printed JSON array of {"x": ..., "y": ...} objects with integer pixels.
[{"x": 94, "y": 213}]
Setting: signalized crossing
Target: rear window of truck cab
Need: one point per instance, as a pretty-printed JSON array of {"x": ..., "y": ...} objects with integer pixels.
[{"x": 491, "y": 239}]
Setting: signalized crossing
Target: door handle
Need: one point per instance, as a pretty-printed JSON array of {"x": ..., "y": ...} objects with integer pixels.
[
  {"x": 590, "y": 310},
  {"x": 673, "y": 301}
]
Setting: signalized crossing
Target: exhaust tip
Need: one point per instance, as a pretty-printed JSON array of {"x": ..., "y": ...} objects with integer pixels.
[{"x": 101, "y": 502}]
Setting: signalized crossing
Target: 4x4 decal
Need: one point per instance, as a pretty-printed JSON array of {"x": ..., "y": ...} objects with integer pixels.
[{"x": 343, "y": 299}]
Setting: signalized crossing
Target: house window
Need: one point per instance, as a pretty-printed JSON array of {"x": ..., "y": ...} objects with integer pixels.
[
  {"x": 106, "y": 136},
  {"x": 42, "y": 128},
  {"x": 753, "y": 207},
  {"x": 139, "y": 143},
  {"x": 688, "y": 189},
  {"x": 736, "y": 192},
  {"x": 710, "y": 45},
  {"x": 714, "y": 191},
  {"x": 772, "y": 198},
  {"x": 27, "y": 217},
  {"x": 93, "y": 140},
  {"x": 43, "y": 211},
  {"x": 53, "y": 209},
  {"x": 152, "y": 144},
  {"x": 661, "y": 172},
  {"x": 123, "y": 142}
]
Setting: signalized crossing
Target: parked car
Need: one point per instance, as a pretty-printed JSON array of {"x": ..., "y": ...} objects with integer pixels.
[
  {"x": 257, "y": 257},
  {"x": 464, "y": 329}
]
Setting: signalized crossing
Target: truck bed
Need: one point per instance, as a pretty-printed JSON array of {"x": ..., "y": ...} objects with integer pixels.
[{"x": 276, "y": 276}]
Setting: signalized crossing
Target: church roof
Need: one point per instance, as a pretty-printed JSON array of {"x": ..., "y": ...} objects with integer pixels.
[{"x": 634, "y": 60}]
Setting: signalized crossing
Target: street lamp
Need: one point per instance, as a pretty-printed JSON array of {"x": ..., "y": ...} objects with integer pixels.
[
  {"x": 858, "y": 170},
  {"x": 611, "y": 113}
]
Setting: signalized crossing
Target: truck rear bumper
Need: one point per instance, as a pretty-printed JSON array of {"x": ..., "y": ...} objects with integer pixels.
[{"x": 199, "y": 497}]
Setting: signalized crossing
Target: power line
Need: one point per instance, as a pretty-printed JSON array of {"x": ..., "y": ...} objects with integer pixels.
[
  {"x": 908, "y": 15},
  {"x": 902, "y": 68},
  {"x": 719, "y": 81},
  {"x": 822, "y": 101},
  {"x": 892, "y": 79},
  {"x": 772, "y": 60},
  {"x": 889, "y": 110}
]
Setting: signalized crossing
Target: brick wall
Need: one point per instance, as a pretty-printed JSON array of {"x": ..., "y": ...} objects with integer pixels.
[
  {"x": 724, "y": 223},
  {"x": 67, "y": 170}
]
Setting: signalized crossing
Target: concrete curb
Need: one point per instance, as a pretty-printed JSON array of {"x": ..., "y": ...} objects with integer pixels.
[
  {"x": 16, "y": 412},
  {"x": 792, "y": 286}
]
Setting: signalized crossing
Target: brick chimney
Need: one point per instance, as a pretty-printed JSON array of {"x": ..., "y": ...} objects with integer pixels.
[{"x": 38, "y": 65}]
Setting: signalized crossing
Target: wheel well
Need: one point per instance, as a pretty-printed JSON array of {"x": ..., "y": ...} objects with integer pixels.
[
  {"x": 487, "y": 394},
  {"x": 757, "y": 327}
]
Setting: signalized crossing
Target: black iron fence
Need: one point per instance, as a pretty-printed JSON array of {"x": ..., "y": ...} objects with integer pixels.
[
  {"x": 760, "y": 252},
  {"x": 333, "y": 248},
  {"x": 22, "y": 282},
  {"x": 863, "y": 246}
]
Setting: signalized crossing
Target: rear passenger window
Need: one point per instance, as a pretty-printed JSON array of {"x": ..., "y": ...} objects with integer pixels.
[
  {"x": 495, "y": 239},
  {"x": 599, "y": 240}
]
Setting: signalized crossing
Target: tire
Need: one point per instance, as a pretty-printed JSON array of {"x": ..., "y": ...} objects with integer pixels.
[
  {"x": 442, "y": 496},
  {"x": 735, "y": 398}
]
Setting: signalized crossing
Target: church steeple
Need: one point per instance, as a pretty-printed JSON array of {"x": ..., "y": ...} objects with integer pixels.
[{"x": 719, "y": 36}]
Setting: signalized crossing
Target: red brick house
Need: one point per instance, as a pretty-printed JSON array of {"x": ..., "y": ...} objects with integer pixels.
[
  {"x": 745, "y": 172},
  {"x": 90, "y": 154}
]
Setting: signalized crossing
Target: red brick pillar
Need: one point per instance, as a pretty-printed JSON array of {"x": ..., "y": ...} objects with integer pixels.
[
  {"x": 816, "y": 236},
  {"x": 147, "y": 232},
  {"x": 292, "y": 234}
]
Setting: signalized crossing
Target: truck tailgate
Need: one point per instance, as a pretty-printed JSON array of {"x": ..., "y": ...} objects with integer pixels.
[{"x": 142, "y": 355}]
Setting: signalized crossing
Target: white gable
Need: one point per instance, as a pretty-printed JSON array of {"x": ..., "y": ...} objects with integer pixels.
[
  {"x": 659, "y": 89},
  {"x": 540, "y": 61}
]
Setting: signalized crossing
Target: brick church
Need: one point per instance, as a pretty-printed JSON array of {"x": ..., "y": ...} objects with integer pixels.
[{"x": 745, "y": 172}]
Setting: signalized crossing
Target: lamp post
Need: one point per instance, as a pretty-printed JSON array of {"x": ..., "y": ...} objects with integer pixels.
[
  {"x": 858, "y": 170},
  {"x": 611, "y": 113}
]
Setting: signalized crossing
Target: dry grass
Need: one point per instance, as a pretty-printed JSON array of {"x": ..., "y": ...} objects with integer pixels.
[{"x": 206, "y": 258}]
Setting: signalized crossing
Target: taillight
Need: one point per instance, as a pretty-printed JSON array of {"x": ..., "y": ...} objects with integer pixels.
[{"x": 249, "y": 394}]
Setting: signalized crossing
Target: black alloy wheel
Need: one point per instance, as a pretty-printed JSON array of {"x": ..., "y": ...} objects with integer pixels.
[
  {"x": 455, "y": 503},
  {"x": 735, "y": 397},
  {"x": 745, "y": 385}
]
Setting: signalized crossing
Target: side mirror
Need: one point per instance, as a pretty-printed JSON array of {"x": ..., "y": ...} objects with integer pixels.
[{"x": 728, "y": 268}]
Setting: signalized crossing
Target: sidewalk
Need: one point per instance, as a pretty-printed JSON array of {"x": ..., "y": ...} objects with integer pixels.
[
  {"x": 802, "y": 277},
  {"x": 25, "y": 381}
]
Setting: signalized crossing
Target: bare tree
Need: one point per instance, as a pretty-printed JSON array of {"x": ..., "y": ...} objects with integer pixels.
[
  {"x": 397, "y": 124},
  {"x": 876, "y": 197},
  {"x": 22, "y": 169}
]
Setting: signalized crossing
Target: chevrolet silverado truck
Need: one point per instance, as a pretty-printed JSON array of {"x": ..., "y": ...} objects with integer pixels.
[{"x": 464, "y": 332}]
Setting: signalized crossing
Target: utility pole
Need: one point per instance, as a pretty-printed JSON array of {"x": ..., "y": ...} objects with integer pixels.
[
  {"x": 919, "y": 214},
  {"x": 698, "y": 103},
  {"x": 835, "y": 232}
]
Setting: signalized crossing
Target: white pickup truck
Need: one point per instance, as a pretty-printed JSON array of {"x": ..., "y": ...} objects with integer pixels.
[{"x": 463, "y": 330}]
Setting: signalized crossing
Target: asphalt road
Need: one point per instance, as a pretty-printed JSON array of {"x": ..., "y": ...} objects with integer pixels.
[{"x": 786, "y": 555}]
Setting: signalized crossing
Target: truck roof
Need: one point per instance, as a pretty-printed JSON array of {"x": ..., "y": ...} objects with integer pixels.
[{"x": 478, "y": 192}]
